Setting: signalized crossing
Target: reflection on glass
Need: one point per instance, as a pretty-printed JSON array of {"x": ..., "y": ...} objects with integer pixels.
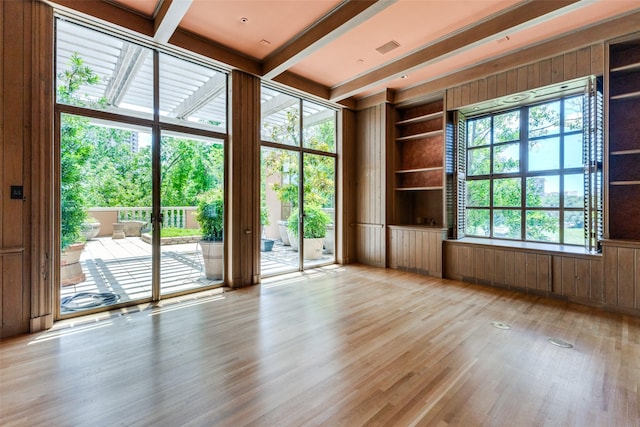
[
  {"x": 479, "y": 162},
  {"x": 543, "y": 226},
  {"x": 192, "y": 93},
  {"x": 479, "y": 132},
  {"x": 507, "y": 223},
  {"x": 477, "y": 222},
  {"x": 319, "y": 132},
  {"x": 103, "y": 71},
  {"x": 280, "y": 117},
  {"x": 544, "y": 154},
  {"x": 543, "y": 191},
  {"x": 507, "y": 192},
  {"x": 478, "y": 193},
  {"x": 506, "y": 158},
  {"x": 506, "y": 127},
  {"x": 544, "y": 119}
]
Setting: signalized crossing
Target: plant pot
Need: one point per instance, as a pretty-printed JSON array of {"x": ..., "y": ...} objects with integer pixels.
[
  {"x": 133, "y": 228},
  {"x": 284, "y": 233},
  {"x": 313, "y": 248},
  {"x": 212, "y": 258},
  {"x": 70, "y": 268},
  {"x": 266, "y": 245},
  {"x": 118, "y": 231},
  {"x": 293, "y": 240},
  {"x": 90, "y": 230}
]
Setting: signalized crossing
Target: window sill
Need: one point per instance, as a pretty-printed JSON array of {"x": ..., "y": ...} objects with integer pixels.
[{"x": 527, "y": 246}]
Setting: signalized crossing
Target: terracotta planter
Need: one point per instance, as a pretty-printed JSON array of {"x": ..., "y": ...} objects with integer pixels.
[
  {"x": 212, "y": 253},
  {"x": 70, "y": 269}
]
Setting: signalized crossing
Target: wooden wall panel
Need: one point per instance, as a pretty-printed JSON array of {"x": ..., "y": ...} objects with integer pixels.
[
  {"x": 346, "y": 188},
  {"x": 583, "y": 278},
  {"x": 597, "y": 287},
  {"x": 610, "y": 254},
  {"x": 626, "y": 279},
  {"x": 16, "y": 112},
  {"x": 569, "y": 65},
  {"x": 370, "y": 184},
  {"x": 242, "y": 260}
]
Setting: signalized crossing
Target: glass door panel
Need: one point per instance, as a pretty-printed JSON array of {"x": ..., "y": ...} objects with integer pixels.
[
  {"x": 278, "y": 211},
  {"x": 319, "y": 209},
  {"x": 105, "y": 206},
  {"x": 192, "y": 199}
]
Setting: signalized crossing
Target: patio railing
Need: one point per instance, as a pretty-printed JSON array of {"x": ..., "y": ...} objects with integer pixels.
[{"x": 172, "y": 216}]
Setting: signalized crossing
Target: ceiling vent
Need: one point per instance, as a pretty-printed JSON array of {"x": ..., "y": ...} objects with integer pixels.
[{"x": 388, "y": 47}]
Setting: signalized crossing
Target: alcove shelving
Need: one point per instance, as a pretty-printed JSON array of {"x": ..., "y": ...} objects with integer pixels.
[
  {"x": 624, "y": 139},
  {"x": 419, "y": 164}
]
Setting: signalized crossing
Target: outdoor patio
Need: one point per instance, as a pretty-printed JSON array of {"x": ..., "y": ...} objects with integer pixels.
[{"x": 123, "y": 267}]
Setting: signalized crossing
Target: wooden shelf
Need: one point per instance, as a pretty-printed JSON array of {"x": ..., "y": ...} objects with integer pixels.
[
  {"x": 626, "y": 96},
  {"x": 619, "y": 183},
  {"x": 418, "y": 188},
  {"x": 624, "y": 152},
  {"x": 439, "y": 168},
  {"x": 419, "y": 119},
  {"x": 626, "y": 68},
  {"x": 420, "y": 135}
]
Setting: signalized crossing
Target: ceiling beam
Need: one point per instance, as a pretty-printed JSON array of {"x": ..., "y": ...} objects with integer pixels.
[
  {"x": 168, "y": 18},
  {"x": 198, "y": 99},
  {"x": 303, "y": 84},
  {"x": 345, "y": 17},
  {"x": 463, "y": 40}
]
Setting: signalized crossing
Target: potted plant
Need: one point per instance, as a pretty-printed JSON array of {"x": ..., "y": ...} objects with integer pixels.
[
  {"x": 210, "y": 217},
  {"x": 315, "y": 228},
  {"x": 266, "y": 244}
]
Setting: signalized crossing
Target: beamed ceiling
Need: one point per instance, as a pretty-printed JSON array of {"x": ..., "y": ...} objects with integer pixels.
[{"x": 346, "y": 51}]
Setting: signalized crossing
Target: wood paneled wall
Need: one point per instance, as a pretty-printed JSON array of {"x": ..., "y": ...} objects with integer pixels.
[
  {"x": 578, "y": 278},
  {"x": 25, "y": 135},
  {"x": 345, "y": 187},
  {"x": 622, "y": 275},
  {"x": 243, "y": 242},
  {"x": 373, "y": 135},
  {"x": 563, "y": 67}
]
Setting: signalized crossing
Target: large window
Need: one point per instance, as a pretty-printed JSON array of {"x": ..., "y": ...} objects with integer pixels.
[{"x": 525, "y": 173}]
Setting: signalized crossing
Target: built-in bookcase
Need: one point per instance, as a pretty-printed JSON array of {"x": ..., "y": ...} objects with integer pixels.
[
  {"x": 624, "y": 140},
  {"x": 419, "y": 165}
]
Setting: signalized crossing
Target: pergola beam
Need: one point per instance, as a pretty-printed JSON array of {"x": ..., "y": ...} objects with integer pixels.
[
  {"x": 526, "y": 13},
  {"x": 198, "y": 99},
  {"x": 131, "y": 58},
  {"x": 344, "y": 18}
]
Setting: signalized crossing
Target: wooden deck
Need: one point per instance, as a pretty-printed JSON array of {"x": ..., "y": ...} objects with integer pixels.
[
  {"x": 123, "y": 266},
  {"x": 340, "y": 346}
]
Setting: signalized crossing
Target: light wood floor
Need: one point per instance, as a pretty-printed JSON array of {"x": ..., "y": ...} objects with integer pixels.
[{"x": 338, "y": 347}]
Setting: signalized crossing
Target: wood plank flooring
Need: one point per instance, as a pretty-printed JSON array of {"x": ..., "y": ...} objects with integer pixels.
[{"x": 340, "y": 346}]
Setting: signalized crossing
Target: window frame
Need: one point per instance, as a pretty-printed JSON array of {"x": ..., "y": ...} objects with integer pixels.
[{"x": 523, "y": 173}]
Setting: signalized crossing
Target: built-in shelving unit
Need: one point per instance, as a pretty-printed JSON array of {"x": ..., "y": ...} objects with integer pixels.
[
  {"x": 624, "y": 139},
  {"x": 419, "y": 164}
]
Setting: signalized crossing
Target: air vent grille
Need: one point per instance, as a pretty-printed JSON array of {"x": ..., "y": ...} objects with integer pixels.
[{"x": 388, "y": 47}]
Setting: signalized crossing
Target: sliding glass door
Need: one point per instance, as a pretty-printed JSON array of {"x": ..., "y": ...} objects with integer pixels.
[{"x": 298, "y": 183}]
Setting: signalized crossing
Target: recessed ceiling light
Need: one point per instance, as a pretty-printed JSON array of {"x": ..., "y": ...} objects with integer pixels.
[
  {"x": 404, "y": 76},
  {"x": 244, "y": 20}
]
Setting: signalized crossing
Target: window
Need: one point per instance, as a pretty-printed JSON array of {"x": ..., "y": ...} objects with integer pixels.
[{"x": 525, "y": 174}]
